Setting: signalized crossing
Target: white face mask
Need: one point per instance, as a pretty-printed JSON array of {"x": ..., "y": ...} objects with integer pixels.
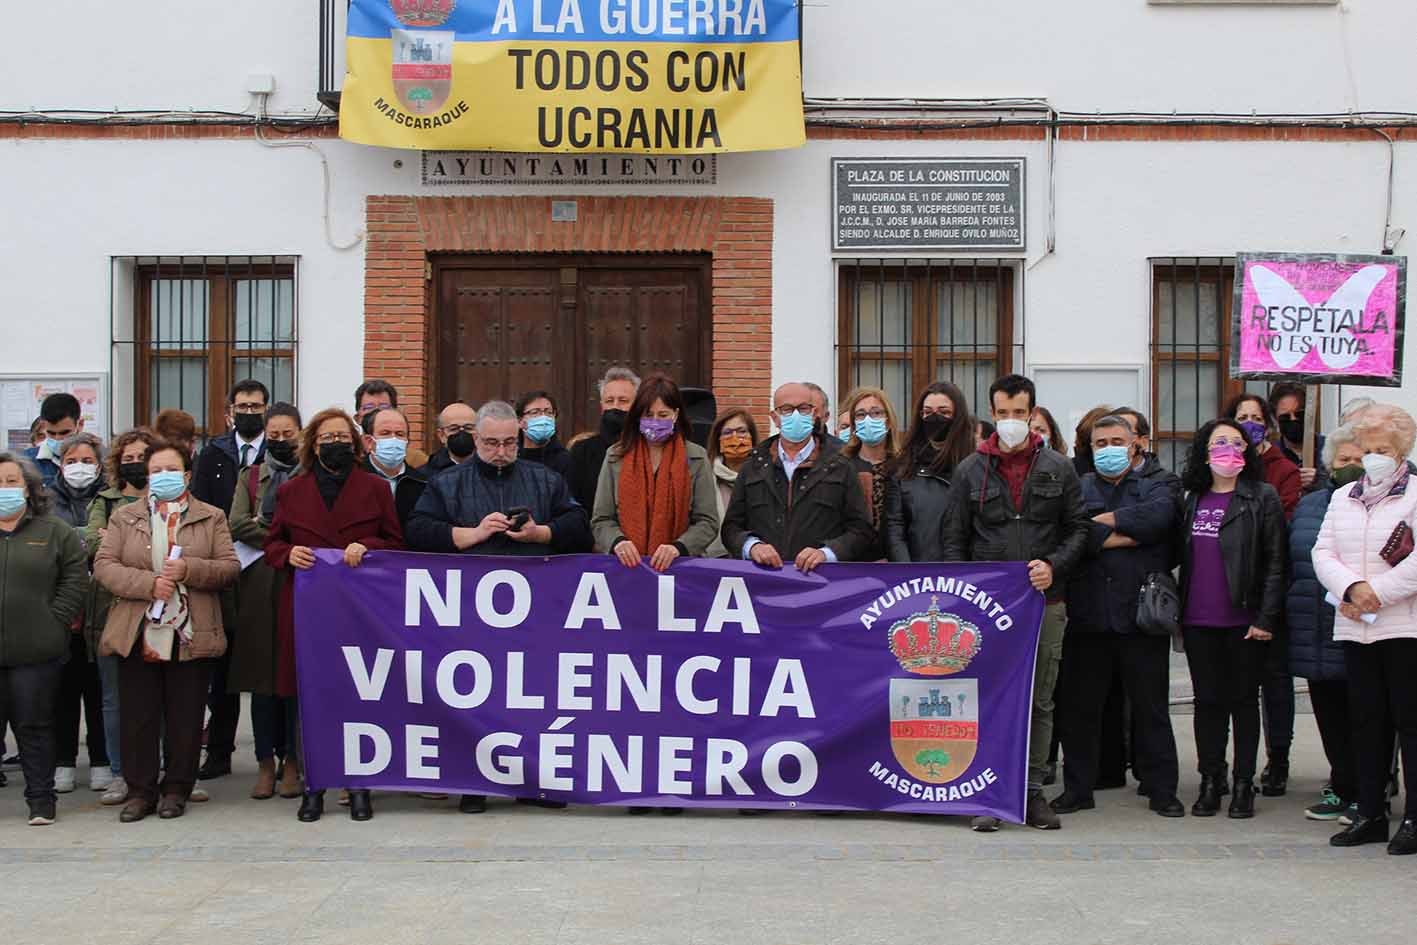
[
  {"x": 1378, "y": 467},
  {"x": 80, "y": 475},
  {"x": 1012, "y": 433}
]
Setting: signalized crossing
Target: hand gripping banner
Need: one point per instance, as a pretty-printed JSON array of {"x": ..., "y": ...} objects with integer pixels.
[
  {"x": 581, "y": 76},
  {"x": 718, "y": 684}
]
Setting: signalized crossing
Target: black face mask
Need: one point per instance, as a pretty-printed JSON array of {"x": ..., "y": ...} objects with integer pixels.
[
  {"x": 938, "y": 426},
  {"x": 249, "y": 425},
  {"x": 135, "y": 474},
  {"x": 337, "y": 457},
  {"x": 612, "y": 423},
  {"x": 1292, "y": 430},
  {"x": 460, "y": 443},
  {"x": 282, "y": 451}
]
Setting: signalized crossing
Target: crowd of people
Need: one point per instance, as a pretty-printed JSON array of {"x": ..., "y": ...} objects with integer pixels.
[{"x": 148, "y": 584}]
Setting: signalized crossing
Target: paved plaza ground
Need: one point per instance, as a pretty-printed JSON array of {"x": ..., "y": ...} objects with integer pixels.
[{"x": 238, "y": 871}]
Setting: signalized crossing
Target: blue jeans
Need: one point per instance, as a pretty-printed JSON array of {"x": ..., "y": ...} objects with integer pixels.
[
  {"x": 273, "y": 723},
  {"x": 108, "y": 683},
  {"x": 27, "y": 696}
]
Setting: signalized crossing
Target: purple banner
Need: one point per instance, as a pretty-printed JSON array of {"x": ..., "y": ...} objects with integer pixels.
[{"x": 719, "y": 684}]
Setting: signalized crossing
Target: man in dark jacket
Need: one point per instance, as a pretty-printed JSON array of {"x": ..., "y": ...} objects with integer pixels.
[
  {"x": 63, "y": 416},
  {"x": 473, "y": 508},
  {"x": 536, "y": 410},
  {"x": 386, "y": 454},
  {"x": 456, "y": 425},
  {"x": 617, "y": 392},
  {"x": 214, "y": 482},
  {"x": 1017, "y": 500},
  {"x": 796, "y": 500},
  {"x": 1132, "y": 519}
]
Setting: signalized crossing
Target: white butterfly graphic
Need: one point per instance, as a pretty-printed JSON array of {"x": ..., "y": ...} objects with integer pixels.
[{"x": 1275, "y": 291}]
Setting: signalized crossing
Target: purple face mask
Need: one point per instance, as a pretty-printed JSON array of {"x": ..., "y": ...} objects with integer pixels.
[
  {"x": 1254, "y": 432},
  {"x": 656, "y": 430}
]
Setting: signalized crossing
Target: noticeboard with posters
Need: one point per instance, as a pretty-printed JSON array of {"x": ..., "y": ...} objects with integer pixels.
[
  {"x": 1316, "y": 318},
  {"x": 22, "y": 394}
]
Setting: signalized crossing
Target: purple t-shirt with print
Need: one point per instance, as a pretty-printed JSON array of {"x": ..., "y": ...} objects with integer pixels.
[{"x": 1208, "y": 600}]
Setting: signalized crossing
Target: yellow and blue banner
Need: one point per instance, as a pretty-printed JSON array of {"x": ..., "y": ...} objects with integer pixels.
[{"x": 632, "y": 76}]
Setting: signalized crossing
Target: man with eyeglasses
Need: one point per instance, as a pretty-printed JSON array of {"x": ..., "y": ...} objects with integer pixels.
[
  {"x": 214, "y": 482},
  {"x": 797, "y": 500},
  {"x": 456, "y": 426}
]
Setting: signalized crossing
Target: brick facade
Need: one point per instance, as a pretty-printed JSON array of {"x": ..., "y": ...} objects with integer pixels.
[{"x": 403, "y": 230}]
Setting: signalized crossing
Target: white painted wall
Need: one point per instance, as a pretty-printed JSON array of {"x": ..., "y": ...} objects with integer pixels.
[{"x": 1112, "y": 55}]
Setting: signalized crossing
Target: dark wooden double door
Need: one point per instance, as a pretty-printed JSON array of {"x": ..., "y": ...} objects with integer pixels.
[{"x": 510, "y": 324}]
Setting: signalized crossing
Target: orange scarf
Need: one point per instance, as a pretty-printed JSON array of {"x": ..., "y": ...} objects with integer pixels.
[{"x": 654, "y": 504}]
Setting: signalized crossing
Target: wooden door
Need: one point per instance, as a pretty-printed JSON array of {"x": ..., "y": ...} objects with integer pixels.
[{"x": 510, "y": 324}]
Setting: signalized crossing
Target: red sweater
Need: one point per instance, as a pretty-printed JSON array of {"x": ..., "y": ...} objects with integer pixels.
[{"x": 1281, "y": 473}]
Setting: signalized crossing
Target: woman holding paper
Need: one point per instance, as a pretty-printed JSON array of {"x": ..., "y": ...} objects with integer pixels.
[
  {"x": 165, "y": 559},
  {"x": 332, "y": 504},
  {"x": 1363, "y": 557},
  {"x": 1232, "y": 599}
]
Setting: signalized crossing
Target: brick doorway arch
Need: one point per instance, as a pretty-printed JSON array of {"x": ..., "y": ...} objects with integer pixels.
[{"x": 736, "y": 232}]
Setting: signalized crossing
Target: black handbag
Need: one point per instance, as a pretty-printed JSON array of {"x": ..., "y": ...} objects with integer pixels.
[{"x": 1159, "y": 606}]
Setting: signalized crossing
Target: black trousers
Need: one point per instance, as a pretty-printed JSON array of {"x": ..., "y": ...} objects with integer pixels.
[
  {"x": 79, "y": 688},
  {"x": 1226, "y": 671},
  {"x": 27, "y": 696},
  {"x": 1278, "y": 689},
  {"x": 1329, "y": 697},
  {"x": 161, "y": 702},
  {"x": 225, "y": 707},
  {"x": 1143, "y": 662},
  {"x": 1380, "y": 686}
]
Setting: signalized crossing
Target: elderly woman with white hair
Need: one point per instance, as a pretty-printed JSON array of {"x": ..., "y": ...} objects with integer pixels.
[{"x": 1363, "y": 558}]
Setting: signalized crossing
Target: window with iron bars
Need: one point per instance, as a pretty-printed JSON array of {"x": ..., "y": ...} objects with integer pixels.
[
  {"x": 197, "y": 325},
  {"x": 905, "y": 323},
  {"x": 1190, "y": 350}
]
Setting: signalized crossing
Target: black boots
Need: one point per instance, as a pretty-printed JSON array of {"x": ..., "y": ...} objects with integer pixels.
[
  {"x": 1274, "y": 779},
  {"x": 472, "y": 803},
  {"x": 312, "y": 805},
  {"x": 1362, "y": 830},
  {"x": 1242, "y": 804},
  {"x": 361, "y": 807},
  {"x": 1404, "y": 842},
  {"x": 1208, "y": 803}
]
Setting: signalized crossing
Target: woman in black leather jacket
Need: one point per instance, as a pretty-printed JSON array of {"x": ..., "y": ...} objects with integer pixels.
[
  {"x": 917, "y": 494},
  {"x": 1232, "y": 598}
]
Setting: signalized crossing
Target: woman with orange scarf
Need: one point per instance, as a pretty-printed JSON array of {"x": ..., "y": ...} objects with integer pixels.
[{"x": 655, "y": 499}]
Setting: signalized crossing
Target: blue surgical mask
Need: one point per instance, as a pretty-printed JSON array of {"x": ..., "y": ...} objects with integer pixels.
[
  {"x": 540, "y": 429},
  {"x": 12, "y": 501},
  {"x": 390, "y": 451},
  {"x": 1112, "y": 460},
  {"x": 797, "y": 427},
  {"x": 871, "y": 431},
  {"x": 167, "y": 485}
]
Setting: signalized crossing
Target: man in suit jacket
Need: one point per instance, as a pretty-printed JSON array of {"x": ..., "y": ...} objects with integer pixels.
[{"x": 386, "y": 453}]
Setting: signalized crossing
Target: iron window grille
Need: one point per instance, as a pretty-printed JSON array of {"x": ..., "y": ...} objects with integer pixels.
[
  {"x": 334, "y": 15},
  {"x": 184, "y": 329},
  {"x": 905, "y": 323}
]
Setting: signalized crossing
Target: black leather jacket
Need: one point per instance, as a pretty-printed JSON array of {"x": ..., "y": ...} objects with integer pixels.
[
  {"x": 1252, "y": 542},
  {"x": 915, "y": 517},
  {"x": 984, "y": 525}
]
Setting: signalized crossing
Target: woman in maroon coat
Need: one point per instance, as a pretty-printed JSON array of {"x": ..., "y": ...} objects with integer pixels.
[{"x": 333, "y": 505}]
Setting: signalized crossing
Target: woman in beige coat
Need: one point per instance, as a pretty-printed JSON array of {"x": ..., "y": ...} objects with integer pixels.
[{"x": 171, "y": 549}]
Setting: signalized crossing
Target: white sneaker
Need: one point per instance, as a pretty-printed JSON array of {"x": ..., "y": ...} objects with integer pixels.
[
  {"x": 199, "y": 794},
  {"x": 63, "y": 780},
  {"x": 117, "y": 793},
  {"x": 100, "y": 778}
]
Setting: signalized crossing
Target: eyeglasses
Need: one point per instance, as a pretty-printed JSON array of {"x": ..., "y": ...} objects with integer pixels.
[
  {"x": 539, "y": 412},
  {"x": 453, "y": 428},
  {"x": 248, "y": 408},
  {"x": 875, "y": 413},
  {"x": 324, "y": 438},
  {"x": 936, "y": 412},
  {"x": 731, "y": 433},
  {"x": 787, "y": 410},
  {"x": 495, "y": 445}
]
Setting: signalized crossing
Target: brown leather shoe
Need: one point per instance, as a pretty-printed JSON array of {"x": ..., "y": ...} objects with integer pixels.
[
  {"x": 171, "y": 807},
  {"x": 265, "y": 787},
  {"x": 290, "y": 783},
  {"x": 135, "y": 810}
]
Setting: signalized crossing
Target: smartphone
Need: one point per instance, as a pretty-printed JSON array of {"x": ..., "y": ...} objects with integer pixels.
[{"x": 519, "y": 517}]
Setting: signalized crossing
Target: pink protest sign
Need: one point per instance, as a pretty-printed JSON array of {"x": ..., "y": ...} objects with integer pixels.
[{"x": 1319, "y": 319}]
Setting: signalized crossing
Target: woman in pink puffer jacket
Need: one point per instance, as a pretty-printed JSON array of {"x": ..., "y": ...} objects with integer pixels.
[{"x": 1377, "y": 616}]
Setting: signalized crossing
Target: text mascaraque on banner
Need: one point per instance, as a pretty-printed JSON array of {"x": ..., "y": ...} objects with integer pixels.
[
  {"x": 1319, "y": 318},
  {"x": 878, "y": 687},
  {"x": 648, "y": 76}
]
